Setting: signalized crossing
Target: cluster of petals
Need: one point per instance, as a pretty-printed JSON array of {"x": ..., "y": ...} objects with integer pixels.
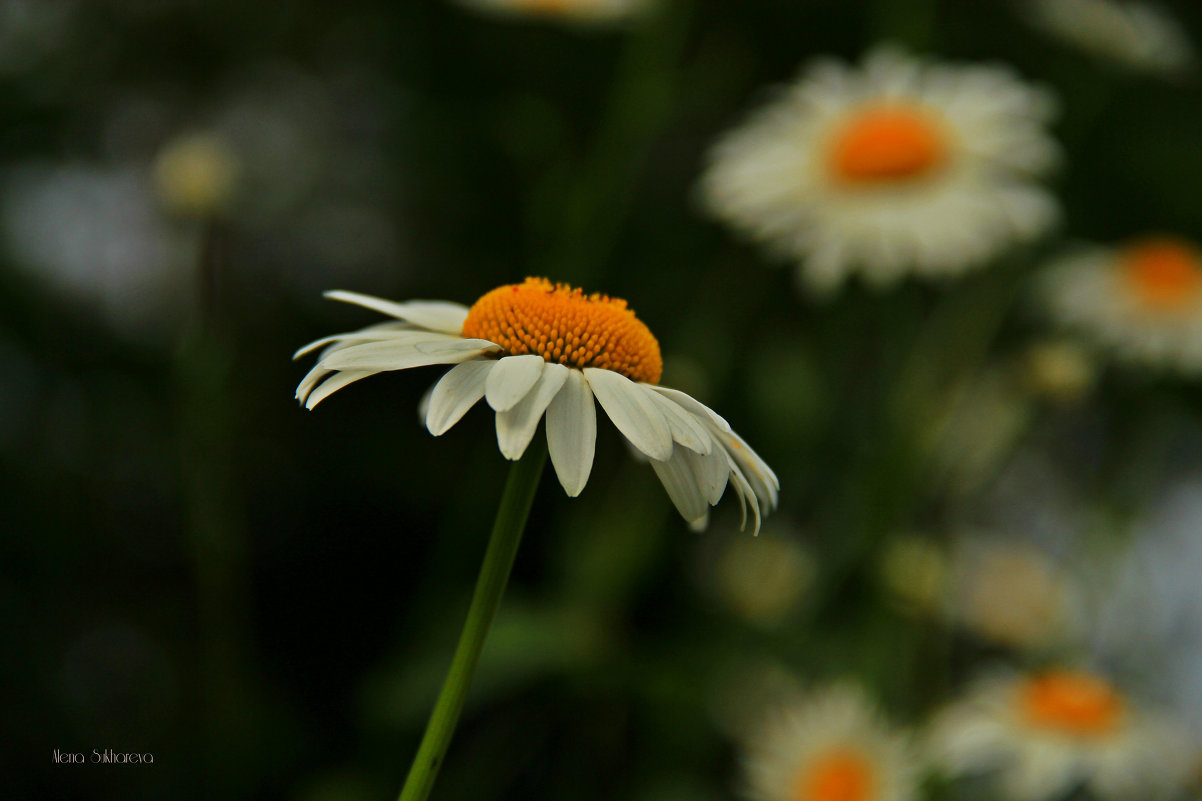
[
  {"x": 692, "y": 449},
  {"x": 902, "y": 166}
]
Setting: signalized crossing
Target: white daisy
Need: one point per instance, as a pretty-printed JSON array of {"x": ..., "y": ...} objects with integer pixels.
[
  {"x": 1049, "y": 731},
  {"x": 535, "y": 348},
  {"x": 1143, "y": 300},
  {"x": 1140, "y": 35},
  {"x": 901, "y": 166},
  {"x": 831, "y": 746},
  {"x": 572, "y": 10}
]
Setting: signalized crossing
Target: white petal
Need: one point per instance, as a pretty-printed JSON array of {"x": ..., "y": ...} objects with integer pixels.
[
  {"x": 434, "y": 315},
  {"x": 332, "y": 385},
  {"x": 511, "y": 379},
  {"x": 572, "y": 433},
  {"x": 634, "y": 414},
  {"x": 311, "y": 379},
  {"x": 686, "y": 429},
  {"x": 691, "y": 404},
  {"x": 369, "y": 334},
  {"x": 758, "y": 474},
  {"x": 682, "y": 486},
  {"x": 436, "y": 349},
  {"x": 711, "y": 471},
  {"x": 516, "y": 426},
  {"x": 455, "y": 393}
]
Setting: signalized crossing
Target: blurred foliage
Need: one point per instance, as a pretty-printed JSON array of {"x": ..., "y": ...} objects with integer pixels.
[{"x": 266, "y": 599}]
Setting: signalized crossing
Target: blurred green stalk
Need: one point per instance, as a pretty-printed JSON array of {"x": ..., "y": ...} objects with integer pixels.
[{"x": 507, "y": 530}]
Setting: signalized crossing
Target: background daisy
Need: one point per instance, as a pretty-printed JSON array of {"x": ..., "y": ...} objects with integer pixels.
[
  {"x": 1047, "y": 731},
  {"x": 1141, "y": 300},
  {"x": 899, "y": 166},
  {"x": 832, "y": 745}
]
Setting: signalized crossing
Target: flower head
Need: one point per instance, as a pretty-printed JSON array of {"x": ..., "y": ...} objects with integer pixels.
[
  {"x": 1143, "y": 299},
  {"x": 1049, "y": 730},
  {"x": 539, "y": 349},
  {"x": 897, "y": 167},
  {"x": 832, "y": 746}
]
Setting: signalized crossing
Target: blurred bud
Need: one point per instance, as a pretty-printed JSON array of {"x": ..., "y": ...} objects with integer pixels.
[
  {"x": 914, "y": 571},
  {"x": 196, "y": 175},
  {"x": 762, "y": 579},
  {"x": 1059, "y": 370}
]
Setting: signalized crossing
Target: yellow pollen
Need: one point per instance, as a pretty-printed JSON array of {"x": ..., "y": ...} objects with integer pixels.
[
  {"x": 1071, "y": 702},
  {"x": 1165, "y": 273},
  {"x": 564, "y": 325},
  {"x": 842, "y": 774},
  {"x": 887, "y": 144}
]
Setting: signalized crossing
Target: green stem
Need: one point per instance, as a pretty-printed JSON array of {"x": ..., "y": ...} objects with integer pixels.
[{"x": 490, "y": 586}]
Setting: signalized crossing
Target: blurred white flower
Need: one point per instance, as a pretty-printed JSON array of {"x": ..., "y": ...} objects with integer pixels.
[
  {"x": 1011, "y": 593},
  {"x": 897, "y": 167},
  {"x": 96, "y": 234},
  {"x": 1140, "y": 35},
  {"x": 1142, "y": 300},
  {"x": 833, "y": 745},
  {"x": 1048, "y": 731}
]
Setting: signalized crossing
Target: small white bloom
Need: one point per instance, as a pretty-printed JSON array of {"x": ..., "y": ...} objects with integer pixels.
[
  {"x": 1142, "y": 300},
  {"x": 1049, "y": 731},
  {"x": 901, "y": 166},
  {"x": 832, "y": 746},
  {"x": 1139, "y": 35},
  {"x": 535, "y": 349}
]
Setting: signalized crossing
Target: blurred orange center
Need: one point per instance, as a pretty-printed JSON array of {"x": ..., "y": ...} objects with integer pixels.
[
  {"x": 839, "y": 775},
  {"x": 1166, "y": 273},
  {"x": 1073, "y": 703},
  {"x": 887, "y": 144},
  {"x": 564, "y": 325}
]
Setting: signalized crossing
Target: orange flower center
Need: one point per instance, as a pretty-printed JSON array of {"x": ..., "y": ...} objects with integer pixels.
[
  {"x": 1166, "y": 273},
  {"x": 1073, "y": 703},
  {"x": 887, "y": 144},
  {"x": 564, "y": 325},
  {"x": 842, "y": 774}
]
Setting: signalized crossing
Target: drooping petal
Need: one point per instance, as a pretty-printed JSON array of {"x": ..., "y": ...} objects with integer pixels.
[
  {"x": 511, "y": 379},
  {"x": 686, "y": 429},
  {"x": 572, "y": 433},
  {"x": 634, "y": 414},
  {"x": 434, "y": 315},
  {"x": 516, "y": 426},
  {"x": 691, "y": 404},
  {"x": 333, "y": 384},
  {"x": 711, "y": 471},
  {"x": 369, "y": 334},
  {"x": 436, "y": 349},
  {"x": 455, "y": 393},
  {"x": 683, "y": 487}
]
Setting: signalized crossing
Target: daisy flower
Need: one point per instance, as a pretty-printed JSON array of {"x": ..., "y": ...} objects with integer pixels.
[
  {"x": 536, "y": 349},
  {"x": 831, "y": 746},
  {"x": 1048, "y": 731},
  {"x": 1143, "y": 300},
  {"x": 900, "y": 166},
  {"x": 1139, "y": 35},
  {"x": 575, "y": 10}
]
